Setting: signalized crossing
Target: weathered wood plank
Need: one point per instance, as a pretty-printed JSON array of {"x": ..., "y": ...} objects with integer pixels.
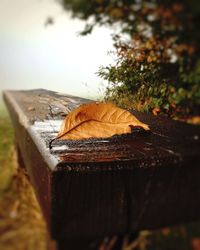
[{"x": 97, "y": 187}]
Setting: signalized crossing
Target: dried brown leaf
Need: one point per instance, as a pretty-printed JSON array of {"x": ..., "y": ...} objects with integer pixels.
[{"x": 96, "y": 120}]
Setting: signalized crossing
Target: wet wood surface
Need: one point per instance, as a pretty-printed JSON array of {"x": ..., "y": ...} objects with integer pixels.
[{"x": 98, "y": 187}]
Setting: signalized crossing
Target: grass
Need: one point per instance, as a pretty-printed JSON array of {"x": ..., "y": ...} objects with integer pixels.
[
  {"x": 22, "y": 226},
  {"x": 6, "y": 149},
  {"x": 3, "y": 110}
]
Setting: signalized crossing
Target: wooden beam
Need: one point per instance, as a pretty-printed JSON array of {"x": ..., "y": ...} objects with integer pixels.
[{"x": 97, "y": 187}]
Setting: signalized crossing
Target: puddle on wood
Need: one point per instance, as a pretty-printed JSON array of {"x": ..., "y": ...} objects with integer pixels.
[
  {"x": 116, "y": 148},
  {"x": 139, "y": 145},
  {"x": 50, "y": 126}
]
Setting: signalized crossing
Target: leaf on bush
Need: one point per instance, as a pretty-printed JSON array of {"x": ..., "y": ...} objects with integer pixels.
[{"x": 97, "y": 120}]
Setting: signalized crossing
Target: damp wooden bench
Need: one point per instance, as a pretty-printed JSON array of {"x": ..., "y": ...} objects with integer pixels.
[{"x": 93, "y": 188}]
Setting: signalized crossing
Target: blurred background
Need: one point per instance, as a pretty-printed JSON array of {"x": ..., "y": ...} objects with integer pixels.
[
  {"x": 140, "y": 54},
  {"x": 41, "y": 47}
]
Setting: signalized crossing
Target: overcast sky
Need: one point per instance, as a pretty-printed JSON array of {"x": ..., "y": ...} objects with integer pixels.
[{"x": 54, "y": 57}]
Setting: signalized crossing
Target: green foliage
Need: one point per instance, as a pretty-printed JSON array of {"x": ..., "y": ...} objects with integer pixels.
[
  {"x": 147, "y": 88},
  {"x": 157, "y": 66}
]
